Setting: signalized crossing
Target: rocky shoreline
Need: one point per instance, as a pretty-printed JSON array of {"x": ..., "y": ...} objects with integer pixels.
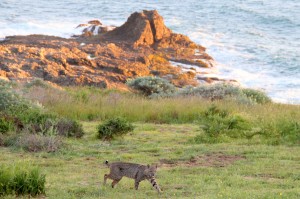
[{"x": 142, "y": 46}]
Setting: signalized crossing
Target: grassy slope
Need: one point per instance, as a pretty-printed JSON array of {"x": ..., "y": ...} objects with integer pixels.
[{"x": 77, "y": 171}]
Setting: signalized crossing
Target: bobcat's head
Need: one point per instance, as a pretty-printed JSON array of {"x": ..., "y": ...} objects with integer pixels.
[{"x": 150, "y": 171}]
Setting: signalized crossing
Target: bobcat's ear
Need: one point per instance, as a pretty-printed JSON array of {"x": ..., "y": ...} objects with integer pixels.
[
  {"x": 156, "y": 165},
  {"x": 148, "y": 166}
]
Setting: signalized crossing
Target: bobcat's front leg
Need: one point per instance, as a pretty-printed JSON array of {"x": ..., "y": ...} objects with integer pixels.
[{"x": 136, "y": 184}]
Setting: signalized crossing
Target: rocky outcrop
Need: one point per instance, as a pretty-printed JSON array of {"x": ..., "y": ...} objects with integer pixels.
[
  {"x": 143, "y": 46},
  {"x": 144, "y": 28}
]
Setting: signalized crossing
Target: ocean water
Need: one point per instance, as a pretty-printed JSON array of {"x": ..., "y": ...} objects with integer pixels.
[{"x": 256, "y": 42}]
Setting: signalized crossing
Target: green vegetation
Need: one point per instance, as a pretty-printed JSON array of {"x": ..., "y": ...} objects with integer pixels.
[
  {"x": 248, "y": 118},
  {"x": 219, "y": 124},
  {"x": 27, "y": 125},
  {"x": 152, "y": 87},
  {"x": 17, "y": 180},
  {"x": 226, "y": 91},
  {"x": 239, "y": 145},
  {"x": 240, "y": 169},
  {"x": 114, "y": 127}
]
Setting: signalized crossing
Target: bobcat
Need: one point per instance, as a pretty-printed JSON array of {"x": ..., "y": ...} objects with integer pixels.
[{"x": 137, "y": 172}]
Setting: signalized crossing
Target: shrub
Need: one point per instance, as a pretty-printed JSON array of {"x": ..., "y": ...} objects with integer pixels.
[
  {"x": 37, "y": 83},
  {"x": 69, "y": 128},
  {"x": 256, "y": 96},
  {"x": 114, "y": 127},
  {"x": 152, "y": 86},
  {"x": 5, "y": 126},
  {"x": 226, "y": 91},
  {"x": 212, "y": 92},
  {"x": 17, "y": 181},
  {"x": 12, "y": 102},
  {"x": 281, "y": 131},
  {"x": 36, "y": 143},
  {"x": 219, "y": 124}
]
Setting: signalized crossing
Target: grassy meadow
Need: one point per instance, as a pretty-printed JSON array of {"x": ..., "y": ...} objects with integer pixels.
[
  {"x": 186, "y": 170},
  {"x": 257, "y": 158}
]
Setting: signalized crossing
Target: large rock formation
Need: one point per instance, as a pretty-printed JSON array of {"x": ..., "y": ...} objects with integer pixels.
[
  {"x": 143, "y": 28},
  {"x": 143, "y": 46}
]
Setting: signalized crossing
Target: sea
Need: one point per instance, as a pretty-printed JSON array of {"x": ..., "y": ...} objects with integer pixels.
[{"x": 256, "y": 42}]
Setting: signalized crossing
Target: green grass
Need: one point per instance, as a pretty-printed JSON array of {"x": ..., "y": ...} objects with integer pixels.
[
  {"x": 21, "y": 179},
  {"x": 259, "y": 171},
  {"x": 88, "y": 103},
  {"x": 269, "y": 123},
  {"x": 259, "y": 160}
]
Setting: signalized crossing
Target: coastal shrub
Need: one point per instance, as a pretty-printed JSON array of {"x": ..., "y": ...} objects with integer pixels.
[
  {"x": 5, "y": 126},
  {"x": 152, "y": 86},
  {"x": 36, "y": 143},
  {"x": 281, "y": 131},
  {"x": 37, "y": 83},
  {"x": 226, "y": 91},
  {"x": 114, "y": 127},
  {"x": 218, "y": 124},
  {"x": 69, "y": 128},
  {"x": 256, "y": 96},
  {"x": 212, "y": 92},
  {"x": 12, "y": 102},
  {"x": 17, "y": 180},
  {"x": 55, "y": 127},
  {"x": 34, "y": 118},
  {"x": 31, "y": 127}
]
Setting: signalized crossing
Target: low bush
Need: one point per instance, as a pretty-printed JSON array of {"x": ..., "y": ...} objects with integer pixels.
[
  {"x": 17, "y": 112},
  {"x": 5, "y": 125},
  {"x": 152, "y": 86},
  {"x": 36, "y": 143},
  {"x": 37, "y": 83},
  {"x": 226, "y": 91},
  {"x": 280, "y": 132},
  {"x": 52, "y": 126},
  {"x": 69, "y": 128},
  {"x": 113, "y": 128},
  {"x": 212, "y": 92},
  {"x": 17, "y": 180},
  {"x": 256, "y": 96},
  {"x": 219, "y": 125}
]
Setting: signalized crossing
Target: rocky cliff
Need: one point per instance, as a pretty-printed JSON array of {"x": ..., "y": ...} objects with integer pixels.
[{"x": 142, "y": 46}]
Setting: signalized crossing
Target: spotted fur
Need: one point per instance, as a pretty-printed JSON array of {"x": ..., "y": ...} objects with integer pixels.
[{"x": 137, "y": 172}]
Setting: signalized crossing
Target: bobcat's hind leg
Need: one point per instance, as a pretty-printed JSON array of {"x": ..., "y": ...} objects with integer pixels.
[
  {"x": 115, "y": 182},
  {"x": 105, "y": 178}
]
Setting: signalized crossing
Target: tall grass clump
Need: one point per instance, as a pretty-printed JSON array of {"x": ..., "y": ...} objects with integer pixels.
[
  {"x": 113, "y": 128},
  {"x": 152, "y": 86},
  {"x": 17, "y": 180}
]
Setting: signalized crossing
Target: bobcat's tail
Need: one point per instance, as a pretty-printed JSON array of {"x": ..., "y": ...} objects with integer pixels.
[{"x": 154, "y": 184}]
